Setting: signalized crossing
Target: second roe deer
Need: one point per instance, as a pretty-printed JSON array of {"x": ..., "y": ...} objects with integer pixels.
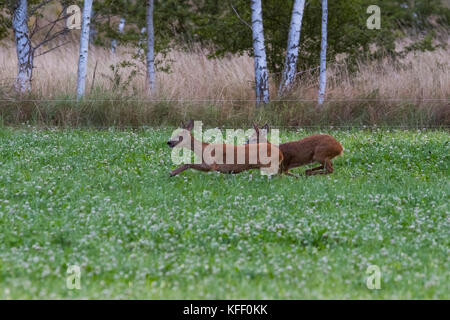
[{"x": 320, "y": 148}]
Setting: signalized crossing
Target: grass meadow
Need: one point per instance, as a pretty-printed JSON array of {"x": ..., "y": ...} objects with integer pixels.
[
  {"x": 87, "y": 183},
  {"x": 103, "y": 200}
]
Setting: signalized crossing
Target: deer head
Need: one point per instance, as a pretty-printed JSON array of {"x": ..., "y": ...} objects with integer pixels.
[
  {"x": 260, "y": 134},
  {"x": 182, "y": 136}
]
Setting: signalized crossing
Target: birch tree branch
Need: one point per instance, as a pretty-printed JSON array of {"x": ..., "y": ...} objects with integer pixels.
[{"x": 239, "y": 17}]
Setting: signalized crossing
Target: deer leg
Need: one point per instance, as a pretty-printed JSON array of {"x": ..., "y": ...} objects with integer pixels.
[
  {"x": 327, "y": 166},
  {"x": 201, "y": 167},
  {"x": 290, "y": 174},
  {"x": 310, "y": 172},
  {"x": 178, "y": 170}
]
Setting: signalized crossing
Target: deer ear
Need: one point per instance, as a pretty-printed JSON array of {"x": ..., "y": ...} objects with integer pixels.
[
  {"x": 190, "y": 125},
  {"x": 265, "y": 127}
]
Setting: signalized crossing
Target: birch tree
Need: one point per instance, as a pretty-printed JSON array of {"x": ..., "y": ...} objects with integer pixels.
[
  {"x": 150, "y": 48},
  {"x": 120, "y": 29},
  {"x": 290, "y": 64},
  {"x": 84, "y": 48},
  {"x": 23, "y": 46},
  {"x": 26, "y": 48},
  {"x": 323, "y": 53},
  {"x": 259, "y": 50}
]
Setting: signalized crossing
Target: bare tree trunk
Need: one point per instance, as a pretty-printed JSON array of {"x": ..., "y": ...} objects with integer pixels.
[
  {"x": 84, "y": 48},
  {"x": 150, "y": 48},
  {"x": 120, "y": 29},
  {"x": 290, "y": 64},
  {"x": 23, "y": 46},
  {"x": 259, "y": 50},
  {"x": 323, "y": 53}
]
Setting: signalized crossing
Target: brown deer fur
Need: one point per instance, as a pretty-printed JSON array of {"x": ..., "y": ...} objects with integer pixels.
[
  {"x": 320, "y": 148},
  {"x": 273, "y": 153}
]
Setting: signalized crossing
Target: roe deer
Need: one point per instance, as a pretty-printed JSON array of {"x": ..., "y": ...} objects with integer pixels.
[
  {"x": 321, "y": 148},
  {"x": 214, "y": 156}
]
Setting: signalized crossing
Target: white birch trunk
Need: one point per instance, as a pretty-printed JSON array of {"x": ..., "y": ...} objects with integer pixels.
[
  {"x": 150, "y": 48},
  {"x": 323, "y": 54},
  {"x": 259, "y": 50},
  {"x": 120, "y": 29},
  {"x": 84, "y": 48},
  {"x": 290, "y": 63},
  {"x": 23, "y": 47}
]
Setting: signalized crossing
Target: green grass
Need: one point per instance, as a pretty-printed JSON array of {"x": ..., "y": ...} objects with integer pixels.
[{"x": 103, "y": 200}]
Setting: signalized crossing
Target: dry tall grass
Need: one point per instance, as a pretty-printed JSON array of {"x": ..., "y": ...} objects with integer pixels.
[
  {"x": 199, "y": 81},
  {"x": 195, "y": 77}
]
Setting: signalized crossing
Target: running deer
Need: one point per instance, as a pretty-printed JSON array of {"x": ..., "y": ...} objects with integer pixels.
[
  {"x": 226, "y": 158},
  {"x": 321, "y": 148}
]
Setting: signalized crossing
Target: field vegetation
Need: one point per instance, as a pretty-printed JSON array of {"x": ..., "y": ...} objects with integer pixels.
[
  {"x": 87, "y": 182},
  {"x": 411, "y": 92},
  {"x": 103, "y": 200}
]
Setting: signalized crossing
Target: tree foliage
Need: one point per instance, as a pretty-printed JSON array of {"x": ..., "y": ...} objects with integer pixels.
[
  {"x": 225, "y": 27},
  {"x": 170, "y": 19}
]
